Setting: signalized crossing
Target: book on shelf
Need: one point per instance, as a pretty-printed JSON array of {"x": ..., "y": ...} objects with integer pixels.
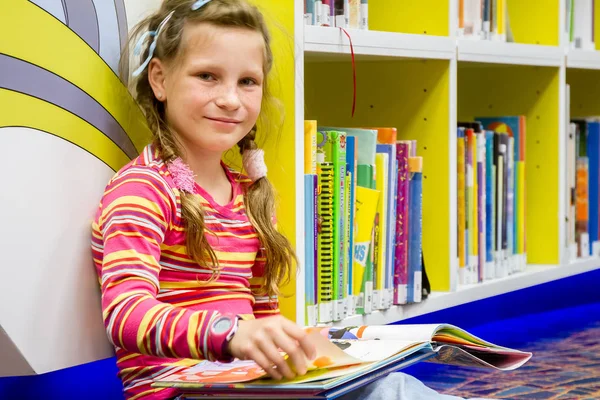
[
  {"x": 484, "y": 20},
  {"x": 353, "y": 14},
  {"x": 366, "y": 218},
  {"x": 491, "y": 197},
  {"x": 347, "y": 358},
  {"x": 583, "y": 177},
  {"x": 579, "y": 24}
]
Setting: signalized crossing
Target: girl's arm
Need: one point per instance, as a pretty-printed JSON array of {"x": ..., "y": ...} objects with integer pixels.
[{"x": 137, "y": 209}]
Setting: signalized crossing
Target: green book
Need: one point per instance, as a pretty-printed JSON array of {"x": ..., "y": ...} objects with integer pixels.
[
  {"x": 325, "y": 241},
  {"x": 332, "y": 144}
]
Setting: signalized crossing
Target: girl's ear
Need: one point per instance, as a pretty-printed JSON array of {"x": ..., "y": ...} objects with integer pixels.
[{"x": 156, "y": 77}]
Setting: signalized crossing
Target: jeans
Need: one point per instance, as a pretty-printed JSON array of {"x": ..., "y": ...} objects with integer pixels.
[{"x": 397, "y": 386}]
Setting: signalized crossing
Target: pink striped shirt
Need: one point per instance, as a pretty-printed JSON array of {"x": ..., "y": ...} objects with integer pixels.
[{"x": 156, "y": 301}]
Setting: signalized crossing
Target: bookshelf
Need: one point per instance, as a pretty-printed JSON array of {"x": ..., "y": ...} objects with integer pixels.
[{"x": 420, "y": 77}]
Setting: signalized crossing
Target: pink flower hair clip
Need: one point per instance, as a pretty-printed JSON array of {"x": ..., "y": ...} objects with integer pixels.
[{"x": 182, "y": 175}]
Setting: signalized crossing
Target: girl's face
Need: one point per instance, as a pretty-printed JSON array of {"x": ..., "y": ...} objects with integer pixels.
[{"x": 213, "y": 91}]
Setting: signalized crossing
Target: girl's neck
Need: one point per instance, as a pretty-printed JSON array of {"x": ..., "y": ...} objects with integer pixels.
[{"x": 209, "y": 173}]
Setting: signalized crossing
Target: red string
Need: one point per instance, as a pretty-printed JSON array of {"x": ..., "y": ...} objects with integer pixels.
[{"x": 353, "y": 71}]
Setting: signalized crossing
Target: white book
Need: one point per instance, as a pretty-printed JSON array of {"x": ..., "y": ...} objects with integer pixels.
[
  {"x": 584, "y": 25},
  {"x": 473, "y": 19}
]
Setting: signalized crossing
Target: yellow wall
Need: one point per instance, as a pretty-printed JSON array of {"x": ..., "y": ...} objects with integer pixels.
[
  {"x": 279, "y": 143},
  {"x": 534, "y": 21},
  {"x": 428, "y": 17}
]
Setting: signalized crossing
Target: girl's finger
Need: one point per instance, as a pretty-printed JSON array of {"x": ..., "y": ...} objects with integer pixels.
[
  {"x": 259, "y": 358},
  {"x": 293, "y": 350},
  {"x": 302, "y": 338},
  {"x": 270, "y": 351}
]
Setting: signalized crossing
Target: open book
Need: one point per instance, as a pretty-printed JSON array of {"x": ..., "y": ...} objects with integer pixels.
[{"x": 347, "y": 358}]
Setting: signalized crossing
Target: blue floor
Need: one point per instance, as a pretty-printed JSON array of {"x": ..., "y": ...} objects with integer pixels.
[{"x": 549, "y": 310}]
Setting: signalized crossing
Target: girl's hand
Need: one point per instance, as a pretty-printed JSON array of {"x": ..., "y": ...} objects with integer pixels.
[{"x": 259, "y": 340}]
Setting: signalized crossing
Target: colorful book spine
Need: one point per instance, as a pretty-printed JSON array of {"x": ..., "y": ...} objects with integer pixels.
[
  {"x": 415, "y": 229},
  {"x": 318, "y": 10},
  {"x": 379, "y": 269},
  {"x": 310, "y": 191},
  {"x": 461, "y": 203},
  {"x": 402, "y": 208},
  {"x": 332, "y": 144},
  {"x": 489, "y": 204},
  {"x": 366, "y": 228},
  {"x": 309, "y": 12},
  {"x": 340, "y": 220},
  {"x": 481, "y": 206},
  {"x": 367, "y": 202},
  {"x": 510, "y": 214},
  {"x": 471, "y": 203},
  {"x": 310, "y": 147},
  {"x": 349, "y": 304},
  {"x": 351, "y": 167},
  {"x": 364, "y": 15},
  {"x": 582, "y": 207},
  {"x": 390, "y": 216},
  {"x": 500, "y": 206},
  {"x": 354, "y": 14},
  {"x": 325, "y": 241}
]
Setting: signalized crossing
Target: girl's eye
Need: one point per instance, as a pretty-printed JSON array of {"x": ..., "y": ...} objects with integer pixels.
[
  {"x": 205, "y": 76},
  {"x": 248, "y": 82}
]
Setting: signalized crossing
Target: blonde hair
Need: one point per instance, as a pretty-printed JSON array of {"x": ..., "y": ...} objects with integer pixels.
[{"x": 260, "y": 195}]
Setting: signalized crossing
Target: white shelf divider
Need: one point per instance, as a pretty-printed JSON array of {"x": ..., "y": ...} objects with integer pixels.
[
  {"x": 492, "y": 52},
  {"x": 326, "y": 41},
  {"x": 533, "y": 275},
  {"x": 583, "y": 59}
]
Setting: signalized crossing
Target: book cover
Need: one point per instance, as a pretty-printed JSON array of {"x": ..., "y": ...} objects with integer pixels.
[
  {"x": 366, "y": 179},
  {"x": 367, "y": 201}
]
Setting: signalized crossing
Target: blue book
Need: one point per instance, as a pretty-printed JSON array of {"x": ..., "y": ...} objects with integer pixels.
[
  {"x": 309, "y": 242},
  {"x": 593, "y": 152},
  {"x": 351, "y": 168},
  {"x": 489, "y": 197},
  {"x": 415, "y": 219}
]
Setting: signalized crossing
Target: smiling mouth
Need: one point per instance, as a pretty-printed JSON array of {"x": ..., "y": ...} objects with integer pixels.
[{"x": 224, "y": 120}]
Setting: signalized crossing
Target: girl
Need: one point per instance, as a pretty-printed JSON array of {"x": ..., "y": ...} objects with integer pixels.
[{"x": 186, "y": 249}]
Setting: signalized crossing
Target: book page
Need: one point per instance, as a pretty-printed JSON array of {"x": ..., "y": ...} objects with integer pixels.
[{"x": 408, "y": 333}]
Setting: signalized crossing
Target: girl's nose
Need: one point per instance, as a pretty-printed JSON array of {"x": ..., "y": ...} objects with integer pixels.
[{"x": 228, "y": 97}]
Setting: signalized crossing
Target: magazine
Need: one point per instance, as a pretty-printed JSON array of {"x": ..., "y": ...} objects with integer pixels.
[{"x": 347, "y": 358}]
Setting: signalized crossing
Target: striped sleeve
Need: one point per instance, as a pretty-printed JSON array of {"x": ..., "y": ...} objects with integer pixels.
[
  {"x": 264, "y": 306},
  {"x": 137, "y": 209}
]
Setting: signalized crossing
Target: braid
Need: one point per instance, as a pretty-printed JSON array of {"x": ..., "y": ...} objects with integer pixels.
[
  {"x": 197, "y": 244},
  {"x": 260, "y": 206}
]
